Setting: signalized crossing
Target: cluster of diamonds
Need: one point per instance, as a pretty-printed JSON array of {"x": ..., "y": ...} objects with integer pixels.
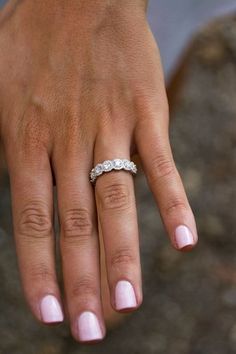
[{"x": 109, "y": 165}]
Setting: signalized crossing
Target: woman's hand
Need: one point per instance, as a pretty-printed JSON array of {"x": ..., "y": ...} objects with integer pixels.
[{"x": 81, "y": 82}]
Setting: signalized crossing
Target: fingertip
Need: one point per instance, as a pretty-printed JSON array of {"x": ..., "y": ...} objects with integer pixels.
[
  {"x": 89, "y": 328},
  {"x": 51, "y": 310},
  {"x": 126, "y": 299},
  {"x": 187, "y": 248},
  {"x": 184, "y": 239}
]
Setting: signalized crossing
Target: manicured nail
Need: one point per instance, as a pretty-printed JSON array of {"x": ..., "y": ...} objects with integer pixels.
[
  {"x": 124, "y": 295},
  {"x": 183, "y": 237},
  {"x": 89, "y": 328},
  {"x": 51, "y": 310}
]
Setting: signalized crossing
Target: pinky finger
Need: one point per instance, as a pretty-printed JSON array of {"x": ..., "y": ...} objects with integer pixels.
[{"x": 165, "y": 183}]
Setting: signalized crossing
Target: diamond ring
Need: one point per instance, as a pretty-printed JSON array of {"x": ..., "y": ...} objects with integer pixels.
[{"x": 109, "y": 165}]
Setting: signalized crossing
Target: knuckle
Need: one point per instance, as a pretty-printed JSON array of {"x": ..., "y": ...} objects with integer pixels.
[
  {"x": 84, "y": 287},
  {"x": 114, "y": 196},
  {"x": 151, "y": 105},
  {"x": 35, "y": 221},
  {"x": 162, "y": 168},
  {"x": 77, "y": 224},
  {"x": 41, "y": 272},
  {"x": 33, "y": 129},
  {"x": 176, "y": 205},
  {"x": 122, "y": 256}
]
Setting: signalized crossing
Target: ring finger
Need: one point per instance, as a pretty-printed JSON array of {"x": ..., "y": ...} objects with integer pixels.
[{"x": 117, "y": 216}]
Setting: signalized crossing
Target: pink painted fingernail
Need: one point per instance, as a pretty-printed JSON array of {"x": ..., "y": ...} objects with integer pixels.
[
  {"x": 124, "y": 295},
  {"x": 51, "y": 309},
  {"x": 89, "y": 328},
  {"x": 183, "y": 236}
]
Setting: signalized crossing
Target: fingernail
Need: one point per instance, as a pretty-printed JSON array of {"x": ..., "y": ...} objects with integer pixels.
[
  {"x": 183, "y": 236},
  {"x": 124, "y": 295},
  {"x": 89, "y": 328},
  {"x": 51, "y": 309}
]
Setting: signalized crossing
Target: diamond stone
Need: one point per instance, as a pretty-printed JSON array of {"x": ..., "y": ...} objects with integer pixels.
[
  {"x": 126, "y": 164},
  {"x": 117, "y": 164},
  {"x": 107, "y": 165},
  {"x": 98, "y": 169}
]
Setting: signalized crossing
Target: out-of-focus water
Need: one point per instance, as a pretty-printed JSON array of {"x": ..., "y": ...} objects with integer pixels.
[{"x": 174, "y": 23}]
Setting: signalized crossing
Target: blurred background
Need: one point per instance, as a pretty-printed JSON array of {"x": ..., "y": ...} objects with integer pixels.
[{"x": 189, "y": 299}]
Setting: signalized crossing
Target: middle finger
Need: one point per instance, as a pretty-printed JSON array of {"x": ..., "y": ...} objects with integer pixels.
[{"x": 79, "y": 245}]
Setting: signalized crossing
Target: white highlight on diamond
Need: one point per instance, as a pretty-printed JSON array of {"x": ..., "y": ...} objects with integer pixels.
[
  {"x": 118, "y": 164},
  {"x": 127, "y": 164},
  {"x": 109, "y": 165},
  {"x": 99, "y": 169}
]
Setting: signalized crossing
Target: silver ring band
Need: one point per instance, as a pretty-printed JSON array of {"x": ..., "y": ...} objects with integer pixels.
[{"x": 109, "y": 165}]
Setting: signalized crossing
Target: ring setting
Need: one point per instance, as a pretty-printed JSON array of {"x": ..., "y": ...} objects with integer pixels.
[{"x": 109, "y": 165}]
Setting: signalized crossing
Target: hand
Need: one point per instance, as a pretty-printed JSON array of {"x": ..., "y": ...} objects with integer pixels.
[{"x": 81, "y": 82}]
